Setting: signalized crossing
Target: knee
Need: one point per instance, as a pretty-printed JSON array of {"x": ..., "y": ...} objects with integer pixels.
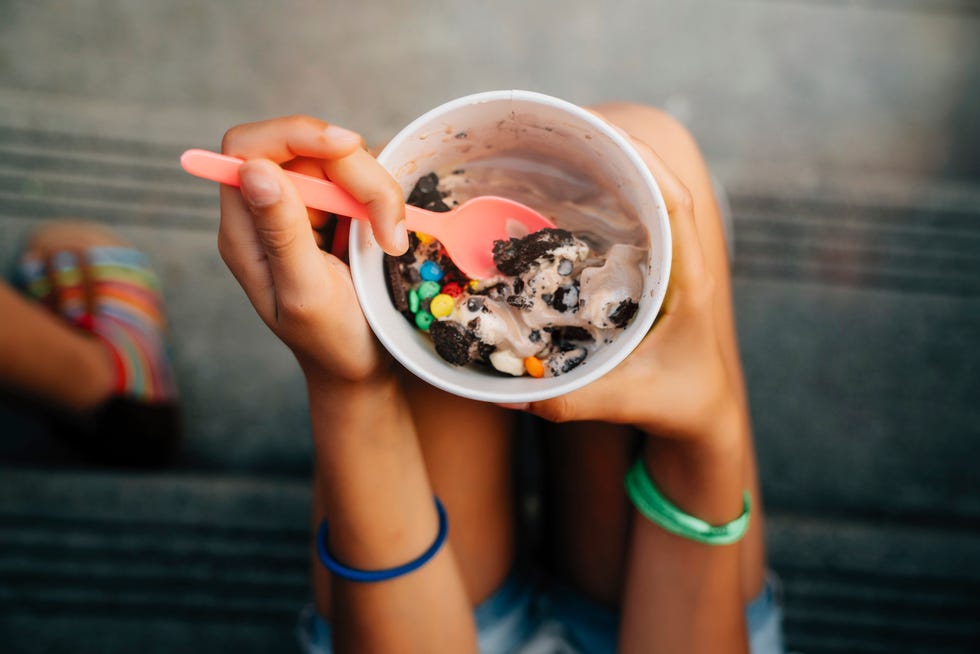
[
  {"x": 630, "y": 112},
  {"x": 642, "y": 117},
  {"x": 668, "y": 137},
  {"x": 655, "y": 127}
]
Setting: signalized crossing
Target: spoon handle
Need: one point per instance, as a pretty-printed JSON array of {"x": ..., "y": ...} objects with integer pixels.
[{"x": 316, "y": 193}]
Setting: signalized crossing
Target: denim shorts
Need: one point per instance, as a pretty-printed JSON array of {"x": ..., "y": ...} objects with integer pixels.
[{"x": 517, "y": 619}]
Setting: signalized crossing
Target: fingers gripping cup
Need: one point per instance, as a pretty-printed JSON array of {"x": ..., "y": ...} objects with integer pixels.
[{"x": 558, "y": 317}]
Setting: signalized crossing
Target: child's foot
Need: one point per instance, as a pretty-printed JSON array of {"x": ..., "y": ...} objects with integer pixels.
[{"x": 105, "y": 289}]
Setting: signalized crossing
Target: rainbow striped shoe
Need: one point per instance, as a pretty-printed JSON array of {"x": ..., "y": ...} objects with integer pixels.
[{"x": 112, "y": 292}]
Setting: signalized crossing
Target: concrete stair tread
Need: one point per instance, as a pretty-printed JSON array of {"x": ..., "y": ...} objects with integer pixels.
[{"x": 118, "y": 560}]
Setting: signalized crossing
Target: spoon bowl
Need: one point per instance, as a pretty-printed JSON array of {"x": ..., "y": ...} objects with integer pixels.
[{"x": 467, "y": 231}]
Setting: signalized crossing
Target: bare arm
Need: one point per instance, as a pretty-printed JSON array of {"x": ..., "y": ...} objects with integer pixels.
[
  {"x": 370, "y": 476},
  {"x": 376, "y": 497},
  {"x": 679, "y": 595}
]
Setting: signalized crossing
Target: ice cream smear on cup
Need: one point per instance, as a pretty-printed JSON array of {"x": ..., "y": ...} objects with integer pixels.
[{"x": 561, "y": 293}]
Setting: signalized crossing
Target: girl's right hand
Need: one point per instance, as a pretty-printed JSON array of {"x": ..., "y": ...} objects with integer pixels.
[{"x": 304, "y": 295}]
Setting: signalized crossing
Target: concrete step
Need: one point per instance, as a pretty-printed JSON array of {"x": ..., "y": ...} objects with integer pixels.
[
  {"x": 854, "y": 584},
  {"x": 867, "y": 85},
  {"x": 101, "y": 562},
  {"x": 108, "y": 562}
]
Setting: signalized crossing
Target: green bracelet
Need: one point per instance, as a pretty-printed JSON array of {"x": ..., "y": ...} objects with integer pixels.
[{"x": 658, "y": 509}]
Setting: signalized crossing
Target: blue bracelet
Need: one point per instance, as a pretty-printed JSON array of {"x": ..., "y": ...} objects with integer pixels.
[{"x": 368, "y": 576}]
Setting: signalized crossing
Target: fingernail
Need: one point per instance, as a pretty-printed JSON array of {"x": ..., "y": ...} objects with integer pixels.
[
  {"x": 401, "y": 238},
  {"x": 343, "y": 138},
  {"x": 260, "y": 188},
  {"x": 519, "y": 406}
]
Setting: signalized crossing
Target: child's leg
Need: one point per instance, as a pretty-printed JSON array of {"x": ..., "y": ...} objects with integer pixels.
[
  {"x": 44, "y": 357},
  {"x": 588, "y": 512},
  {"x": 467, "y": 447},
  {"x": 592, "y": 532},
  {"x": 42, "y": 354},
  {"x": 91, "y": 345}
]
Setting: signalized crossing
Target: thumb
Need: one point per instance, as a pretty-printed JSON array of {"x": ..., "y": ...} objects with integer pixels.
[{"x": 283, "y": 230}]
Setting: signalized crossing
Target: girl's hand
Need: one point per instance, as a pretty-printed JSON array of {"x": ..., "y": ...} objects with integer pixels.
[
  {"x": 304, "y": 295},
  {"x": 675, "y": 383}
]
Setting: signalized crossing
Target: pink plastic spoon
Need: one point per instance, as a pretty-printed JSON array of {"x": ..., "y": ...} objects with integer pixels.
[{"x": 467, "y": 231}]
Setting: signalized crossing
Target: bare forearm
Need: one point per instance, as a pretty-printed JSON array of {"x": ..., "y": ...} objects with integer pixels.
[
  {"x": 376, "y": 493},
  {"x": 379, "y": 505},
  {"x": 680, "y": 595}
]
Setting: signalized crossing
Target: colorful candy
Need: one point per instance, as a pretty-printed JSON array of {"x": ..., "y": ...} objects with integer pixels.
[
  {"x": 413, "y": 301},
  {"x": 431, "y": 271},
  {"x": 423, "y": 320},
  {"x": 534, "y": 366},
  {"x": 428, "y": 289},
  {"x": 452, "y": 289},
  {"x": 442, "y": 305}
]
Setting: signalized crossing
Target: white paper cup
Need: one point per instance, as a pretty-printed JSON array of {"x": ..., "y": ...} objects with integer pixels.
[{"x": 499, "y": 121}]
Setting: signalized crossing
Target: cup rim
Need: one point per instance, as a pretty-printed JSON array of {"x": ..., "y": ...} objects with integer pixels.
[{"x": 561, "y": 384}]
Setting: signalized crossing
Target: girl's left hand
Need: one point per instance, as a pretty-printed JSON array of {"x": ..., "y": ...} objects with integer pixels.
[{"x": 675, "y": 383}]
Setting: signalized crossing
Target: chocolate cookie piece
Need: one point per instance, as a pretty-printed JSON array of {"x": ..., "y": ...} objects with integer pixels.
[
  {"x": 397, "y": 288},
  {"x": 515, "y": 256},
  {"x": 566, "y": 333},
  {"x": 484, "y": 350},
  {"x": 522, "y": 302},
  {"x": 624, "y": 313},
  {"x": 425, "y": 194},
  {"x": 454, "y": 343},
  {"x": 565, "y": 298},
  {"x": 567, "y": 359},
  {"x": 496, "y": 292}
]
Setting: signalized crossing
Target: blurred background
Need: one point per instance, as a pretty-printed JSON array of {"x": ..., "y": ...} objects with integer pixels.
[{"x": 846, "y": 133}]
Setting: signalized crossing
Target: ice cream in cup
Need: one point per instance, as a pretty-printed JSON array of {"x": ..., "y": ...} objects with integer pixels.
[{"x": 569, "y": 304}]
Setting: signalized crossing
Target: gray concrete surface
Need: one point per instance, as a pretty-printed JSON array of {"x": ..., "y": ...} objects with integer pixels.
[
  {"x": 100, "y": 562},
  {"x": 881, "y": 85},
  {"x": 847, "y": 134},
  {"x": 108, "y": 562}
]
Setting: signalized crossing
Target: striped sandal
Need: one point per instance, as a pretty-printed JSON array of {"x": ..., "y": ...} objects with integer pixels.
[{"x": 112, "y": 293}]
